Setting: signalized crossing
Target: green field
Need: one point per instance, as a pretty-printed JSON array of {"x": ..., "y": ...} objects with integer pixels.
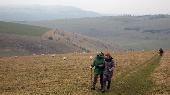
[{"x": 21, "y": 29}]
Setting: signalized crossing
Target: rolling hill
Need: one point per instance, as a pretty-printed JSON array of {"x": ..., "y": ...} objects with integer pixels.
[
  {"x": 87, "y": 44},
  {"x": 21, "y": 29},
  {"x": 131, "y": 32},
  {"x": 42, "y": 12},
  {"x": 20, "y": 39}
]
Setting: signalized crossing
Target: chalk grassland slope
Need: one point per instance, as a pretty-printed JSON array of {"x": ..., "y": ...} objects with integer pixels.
[
  {"x": 85, "y": 43},
  {"x": 12, "y": 45},
  {"x": 53, "y": 75},
  {"x": 161, "y": 77},
  {"x": 20, "y": 39},
  {"x": 138, "y": 32}
]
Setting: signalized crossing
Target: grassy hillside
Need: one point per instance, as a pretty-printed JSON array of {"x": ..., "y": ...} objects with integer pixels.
[
  {"x": 20, "y": 39},
  {"x": 137, "y": 32},
  {"x": 87, "y": 44},
  {"x": 53, "y": 75},
  {"x": 21, "y": 29},
  {"x": 12, "y": 45}
]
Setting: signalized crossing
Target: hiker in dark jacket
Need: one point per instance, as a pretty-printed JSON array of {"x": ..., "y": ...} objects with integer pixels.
[
  {"x": 109, "y": 66},
  {"x": 98, "y": 70},
  {"x": 161, "y": 52}
]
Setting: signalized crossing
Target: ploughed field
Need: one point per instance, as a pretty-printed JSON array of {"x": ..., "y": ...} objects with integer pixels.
[{"x": 135, "y": 74}]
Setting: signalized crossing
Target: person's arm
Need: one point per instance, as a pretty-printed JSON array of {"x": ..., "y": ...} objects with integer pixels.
[
  {"x": 112, "y": 66},
  {"x": 101, "y": 65},
  {"x": 93, "y": 64}
]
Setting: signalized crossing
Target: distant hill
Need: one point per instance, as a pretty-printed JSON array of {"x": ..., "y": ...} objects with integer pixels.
[
  {"x": 42, "y": 12},
  {"x": 21, "y": 29},
  {"x": 131, "y": 32},
  {"x": 20, "y": 39}
]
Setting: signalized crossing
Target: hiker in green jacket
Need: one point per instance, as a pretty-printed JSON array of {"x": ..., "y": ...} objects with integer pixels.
[{"x": 98, "y": 70}]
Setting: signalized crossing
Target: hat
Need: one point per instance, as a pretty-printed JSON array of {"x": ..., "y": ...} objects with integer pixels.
[
  {"x": 101, "y": 54},
  {"x": 107, "y": 54}
]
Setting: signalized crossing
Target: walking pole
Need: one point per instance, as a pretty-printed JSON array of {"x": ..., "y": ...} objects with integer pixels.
[
  {"x": 91, "y": 71},
  {"x": 91, "y": 77}
]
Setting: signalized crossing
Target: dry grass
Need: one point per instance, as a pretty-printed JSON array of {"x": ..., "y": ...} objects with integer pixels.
[
  {"x": 53, "y": 75},
  {"x": 161, "y": 77},
  {"x": 126, "y": 62}
]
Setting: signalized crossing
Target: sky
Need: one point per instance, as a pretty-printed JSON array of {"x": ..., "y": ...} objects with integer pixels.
[{"x": 135, "y": 7}]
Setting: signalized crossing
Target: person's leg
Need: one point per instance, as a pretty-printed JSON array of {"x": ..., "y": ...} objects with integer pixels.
[
  {"x": 94, "y": 82},
  {"x": 101, "y": 80},
  {"x": 104, "y": 83},
  {"x": 109, "y": 81},
  {"x": 108, "y": 86}
]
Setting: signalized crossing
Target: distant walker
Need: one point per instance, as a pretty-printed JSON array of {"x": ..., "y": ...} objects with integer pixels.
[{"x": 161, "y": 52}]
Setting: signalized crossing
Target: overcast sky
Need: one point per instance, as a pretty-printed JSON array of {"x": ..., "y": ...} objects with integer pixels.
[{"x": 105, "y": 6}]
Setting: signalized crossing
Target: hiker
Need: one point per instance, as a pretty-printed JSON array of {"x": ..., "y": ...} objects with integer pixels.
[
  {"x": 161, "y": 52},
  {"x": 98, "y": 70},
  {"x": 109, "y": 66}
]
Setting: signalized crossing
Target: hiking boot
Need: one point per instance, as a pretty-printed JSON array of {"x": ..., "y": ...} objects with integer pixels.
[
  {"x": 103, "y": 91},
  {"x": 100, "y": 89},
  {"x": 108, "y": 87},
  {"x": 93, "y": 88}
]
